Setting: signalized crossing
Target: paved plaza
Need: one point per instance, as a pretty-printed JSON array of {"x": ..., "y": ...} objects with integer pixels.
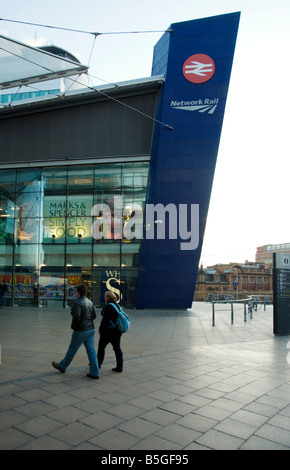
[{"x": 186, "y": 385}]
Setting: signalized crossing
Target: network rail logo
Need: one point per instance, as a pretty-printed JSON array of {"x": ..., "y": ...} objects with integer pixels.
[
  {"x": 198, "y": 68},
  {"x": 206, "y": 105}
]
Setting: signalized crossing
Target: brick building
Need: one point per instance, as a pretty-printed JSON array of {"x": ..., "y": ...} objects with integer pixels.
[
  {"x": 264, "y": 254},
  {"x": 234, "y": 280}
]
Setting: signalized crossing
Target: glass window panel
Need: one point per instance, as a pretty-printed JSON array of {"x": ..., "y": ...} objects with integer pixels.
[
  {"x": 96, "y": 287},
  {"x": 55, "y": 181},
  {"x": 24, "y": 286},
  {"x": 135, "y": 174},
  {"x": 79, "y": 220},
  {"x": 79, "y": 230},
  {"x": 52, "y": 256},
  {"x": 52, "y": 284},
  {"x": 28, "y": 205},
  {"x": 7, "y": 182},
  {"x": 137, "y": 195},
  {"x": 23, "y": 62},
  {"x": 130, "y": 254},
  {"x": 79, "y": 204},
  {"x": 28, "y": 180},
  {"x": 106, "y": 254},
  {"x": 107, "y": 217},
  {"x": 109, "y": 198},
  {"x": 7, "y": 221},
  {"x": 51, "y": 276},
  {"x": 80, "y": 179},
  {"x": 26, "y": 256},
  {"x": 8, "y": 206},
  {"x": 6, "y": 259},
  {"x": 53, "y": 230},
  {"x": 133, "y": 215},
  {"x": 54, "y": 221},
  {"x": 107, "y": 177},
  {"x": 27, "y": 230},
  {"x": 79, "y": 255},
  {"x": 73, "y": 279},
  {"x": 78, "y": 269},
  {"x": 140, "y": 195},
  {"x": 129, "y": 283}
]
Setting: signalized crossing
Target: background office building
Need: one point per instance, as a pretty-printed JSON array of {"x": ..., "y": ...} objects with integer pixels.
[{"x": 77, "y": 172}]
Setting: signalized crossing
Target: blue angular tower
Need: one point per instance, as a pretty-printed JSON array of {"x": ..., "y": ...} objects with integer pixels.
[{"x": 195, "y": 58}]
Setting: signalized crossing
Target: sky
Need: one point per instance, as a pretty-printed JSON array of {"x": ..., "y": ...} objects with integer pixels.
[{"x": 251, "y": 189}]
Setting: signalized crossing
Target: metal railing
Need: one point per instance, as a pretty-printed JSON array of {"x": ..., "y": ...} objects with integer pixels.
[{"x": 249, "y": 304}]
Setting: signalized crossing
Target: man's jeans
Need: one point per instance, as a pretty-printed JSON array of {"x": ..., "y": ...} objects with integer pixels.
[{"x": 78, "y": 338}]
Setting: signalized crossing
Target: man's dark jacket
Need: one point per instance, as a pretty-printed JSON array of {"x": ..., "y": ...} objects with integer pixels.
[{"x": 83, "y": 313}]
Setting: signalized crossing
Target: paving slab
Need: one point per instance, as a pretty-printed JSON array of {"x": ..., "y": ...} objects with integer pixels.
[{"x": 187, "y": 385}]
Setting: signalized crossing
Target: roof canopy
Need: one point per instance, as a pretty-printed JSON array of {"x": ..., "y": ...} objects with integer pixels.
[{"x": 22, "y": 64}]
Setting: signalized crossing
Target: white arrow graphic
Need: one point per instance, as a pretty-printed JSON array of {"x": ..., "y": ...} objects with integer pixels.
[
  {"x": 198, "y": 68},
  {"x": 201, "y": 109}
]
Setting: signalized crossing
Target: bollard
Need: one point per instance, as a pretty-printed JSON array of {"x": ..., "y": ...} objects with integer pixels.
[
  {"x": 213, "y": 317},
  {"x": 250, "y": 309},
  {"x": 232, "y": 313}
]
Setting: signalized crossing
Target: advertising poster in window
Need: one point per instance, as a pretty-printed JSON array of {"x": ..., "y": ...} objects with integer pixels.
[
  {"x": 52, "y": 286},
  {"x": 77, "y": 210},
  {"x": 24, "y": 285},
  {"x": 73, "y": 281}
]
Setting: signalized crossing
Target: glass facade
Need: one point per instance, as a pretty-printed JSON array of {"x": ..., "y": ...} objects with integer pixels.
[
  {"x": 66, "y": 225},
  {"x": 7, "y": 98}
]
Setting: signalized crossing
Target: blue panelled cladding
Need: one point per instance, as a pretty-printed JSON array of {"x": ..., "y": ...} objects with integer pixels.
[{"x": 196, "y": 60}]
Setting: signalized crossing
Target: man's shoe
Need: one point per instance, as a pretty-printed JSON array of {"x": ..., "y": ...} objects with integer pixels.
[
  {"x": 93, "y": 376},
  {"x": 56, "y": 366},
  {"x": 117, "y": 369}
]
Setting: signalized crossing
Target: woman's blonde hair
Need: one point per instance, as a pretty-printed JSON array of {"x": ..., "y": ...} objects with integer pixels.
[{"x": 110, "y": 296}]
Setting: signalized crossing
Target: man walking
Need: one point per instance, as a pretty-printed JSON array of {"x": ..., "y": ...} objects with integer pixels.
[{"x": 83, "y": 313}]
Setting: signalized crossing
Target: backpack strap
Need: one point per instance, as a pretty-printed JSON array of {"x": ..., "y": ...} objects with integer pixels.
[{"x": 118, "y": 319}]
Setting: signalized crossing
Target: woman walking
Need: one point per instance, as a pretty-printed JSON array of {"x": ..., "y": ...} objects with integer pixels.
[{"x": 109, "y": 333}]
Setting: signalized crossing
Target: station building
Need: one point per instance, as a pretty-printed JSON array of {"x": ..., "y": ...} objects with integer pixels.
[{"x": 110, "y": 186}]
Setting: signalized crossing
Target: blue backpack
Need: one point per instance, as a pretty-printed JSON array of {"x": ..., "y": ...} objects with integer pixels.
[{"x": 123, "y": 321}]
